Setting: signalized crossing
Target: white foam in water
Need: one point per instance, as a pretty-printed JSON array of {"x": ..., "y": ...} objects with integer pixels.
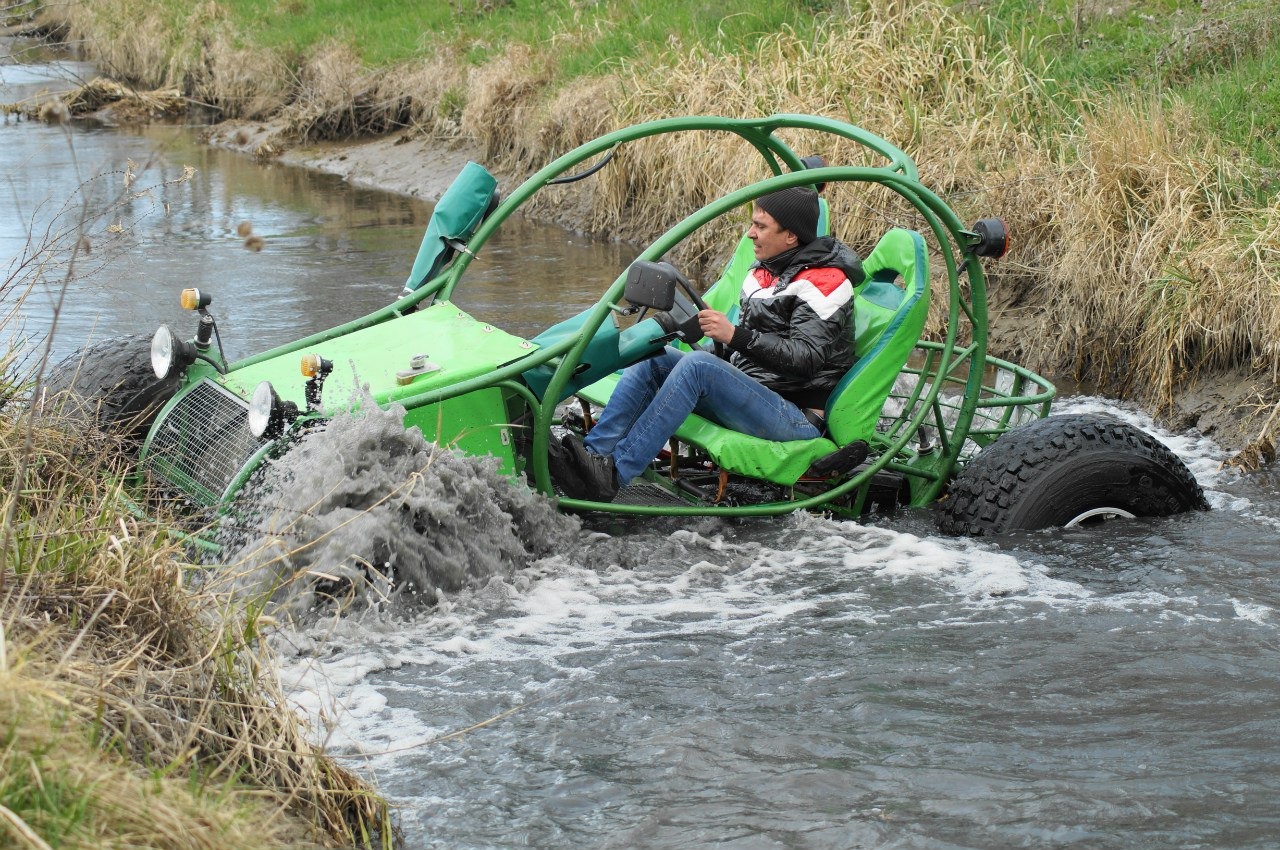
[
  {"x": 1254, "y": 613},
  {"x": 552, "y": 611},
  {"x": 1202, "y": 455}
]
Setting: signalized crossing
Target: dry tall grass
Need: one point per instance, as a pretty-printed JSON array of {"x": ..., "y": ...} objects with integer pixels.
[
  {"x": 194, "y": 50},
  {"x": 436, "y": 87},
  {"x": 171, "y": 728},
  {"x": 1136, "y": 260},
  {"x": 135, "y": 44},
  {"x": 1156, "y": 248},
  {"x": 240, "y": 82}
]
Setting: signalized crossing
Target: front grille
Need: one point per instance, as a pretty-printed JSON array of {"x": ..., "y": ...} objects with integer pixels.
[{"x": 203, "y": 443}]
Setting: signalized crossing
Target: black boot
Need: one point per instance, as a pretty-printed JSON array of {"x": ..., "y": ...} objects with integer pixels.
[
  {"x": 599, "y": 479},
  {"x": 564, "y": 472},
  {"x": 839, "y": 462}
]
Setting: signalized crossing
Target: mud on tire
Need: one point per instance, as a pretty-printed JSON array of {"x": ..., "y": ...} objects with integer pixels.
[
  {"x": 109, "y": 385},
  {"x": 1060, "y": 468}
]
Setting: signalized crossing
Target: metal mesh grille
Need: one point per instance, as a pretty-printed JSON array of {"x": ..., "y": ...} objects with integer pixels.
[
  {"x": 203, "y": 443},
  {"x": 648, "y": 493}
]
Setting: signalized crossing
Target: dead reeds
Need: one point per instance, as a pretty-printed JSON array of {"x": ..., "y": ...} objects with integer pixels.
[
  {"x": 1162, "y": 267},
  {"x": 128, "y": 105},
  {"x": 171, "y": 728},
  {"x": 1139, "y": 258}
]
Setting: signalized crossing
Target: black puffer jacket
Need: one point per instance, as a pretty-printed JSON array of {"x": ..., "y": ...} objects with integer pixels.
[{"x": 795, "y": 331}]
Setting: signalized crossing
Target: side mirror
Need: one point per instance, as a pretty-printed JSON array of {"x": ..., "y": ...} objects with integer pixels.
[{"x": 651, "y": 284}]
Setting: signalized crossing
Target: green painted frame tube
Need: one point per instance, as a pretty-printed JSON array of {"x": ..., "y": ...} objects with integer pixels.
[
  {"x": 946, "y": 228},
  {"x": 949, "y": 361}
]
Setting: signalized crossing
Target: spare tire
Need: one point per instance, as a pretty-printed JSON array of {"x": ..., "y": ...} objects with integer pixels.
[
  {"x": 1065, "y": 471},
  {"x": 109, "y": 386}
]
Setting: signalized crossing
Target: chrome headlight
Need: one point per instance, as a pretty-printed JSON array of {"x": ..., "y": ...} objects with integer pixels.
[
  {"x": 169, "y": 355},
  {"x": 268, "y": 415},
  {"x": 162, "y": 352},
  {"x": 262, "y": 408}
]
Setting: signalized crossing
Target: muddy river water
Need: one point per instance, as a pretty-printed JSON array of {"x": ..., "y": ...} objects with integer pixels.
[{"x": 785, "y": 683}]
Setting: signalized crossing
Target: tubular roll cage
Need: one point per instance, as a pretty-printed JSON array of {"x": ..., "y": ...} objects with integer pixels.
[{"x": 944, "y": 365}]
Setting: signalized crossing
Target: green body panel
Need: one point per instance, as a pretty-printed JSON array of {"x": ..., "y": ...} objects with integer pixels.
[
  {"x": 475, "y": 423},
  {"x": 367, "y": 360},
  {"x": 370, "y": 358}
]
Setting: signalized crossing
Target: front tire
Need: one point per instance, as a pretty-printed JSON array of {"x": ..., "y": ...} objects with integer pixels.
[
  {"x": 109, "y": 386},
  {"x": 1068, "y": 470}
]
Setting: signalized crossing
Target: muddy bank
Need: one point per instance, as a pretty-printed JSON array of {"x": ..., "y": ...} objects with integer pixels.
[
  {"x": 418, "y": 167},
  {"x": 1233, "y": 408},
  {"x": 406, "y": 163}
]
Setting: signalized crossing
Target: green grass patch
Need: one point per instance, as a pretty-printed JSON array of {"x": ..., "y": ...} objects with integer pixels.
[
  {"x": 1084, "y": 46},
  {"x": 1222, "y": 58},
  {"x": 583, "y": 38},
  {"x": 1241, "y": 105}
]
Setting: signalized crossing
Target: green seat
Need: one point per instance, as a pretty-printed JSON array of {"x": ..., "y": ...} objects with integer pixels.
[{"x": 888, "y": 320}]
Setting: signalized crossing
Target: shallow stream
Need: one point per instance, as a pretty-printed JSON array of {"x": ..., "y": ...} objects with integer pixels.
[{"x": 798, "y": 682}]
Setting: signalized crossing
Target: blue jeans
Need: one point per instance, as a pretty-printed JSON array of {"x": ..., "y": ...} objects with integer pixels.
[{"x": 653, "y": 397}]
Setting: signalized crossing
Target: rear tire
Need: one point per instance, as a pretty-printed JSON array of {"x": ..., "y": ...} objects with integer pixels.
[
  {"x": 109, "y": 386},
  {"x": 1068, "y": 470}
]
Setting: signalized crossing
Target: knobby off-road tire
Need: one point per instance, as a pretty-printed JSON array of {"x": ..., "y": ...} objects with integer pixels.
[
  {"x": 109, "y": 386},
  {"x": 1067, "y": 468}
]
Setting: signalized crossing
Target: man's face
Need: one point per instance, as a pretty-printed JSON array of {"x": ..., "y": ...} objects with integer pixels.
[{"x": 768, "y": 237}]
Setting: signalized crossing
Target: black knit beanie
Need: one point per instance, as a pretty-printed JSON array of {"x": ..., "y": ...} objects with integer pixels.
[{"x": 795, "y": 209}]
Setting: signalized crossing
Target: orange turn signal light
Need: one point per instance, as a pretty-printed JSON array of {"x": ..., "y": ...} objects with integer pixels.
[
  {"x": 314, "y": 364},
  {"x": 192, "y": 299}
]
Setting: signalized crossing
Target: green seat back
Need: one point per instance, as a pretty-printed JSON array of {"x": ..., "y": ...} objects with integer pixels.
[{"x": 888, "y": 321}]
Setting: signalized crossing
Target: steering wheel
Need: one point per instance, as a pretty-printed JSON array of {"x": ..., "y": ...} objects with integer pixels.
[{"x": 701, "y": 304}]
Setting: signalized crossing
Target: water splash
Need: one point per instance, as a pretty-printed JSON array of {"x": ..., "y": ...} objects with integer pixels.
[{"x": 370, "y": 514}]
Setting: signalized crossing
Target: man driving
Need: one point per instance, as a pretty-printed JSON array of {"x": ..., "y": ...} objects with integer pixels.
[{"x": 792, "y": 344}]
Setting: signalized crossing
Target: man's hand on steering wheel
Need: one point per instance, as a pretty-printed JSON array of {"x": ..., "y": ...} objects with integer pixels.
[{"x": 715, "y": 326}]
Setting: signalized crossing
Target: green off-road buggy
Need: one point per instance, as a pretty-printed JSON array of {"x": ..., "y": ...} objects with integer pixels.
[{"x": 943, "y": 420}]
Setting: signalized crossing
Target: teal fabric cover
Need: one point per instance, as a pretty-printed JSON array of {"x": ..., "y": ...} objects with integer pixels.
[{"x": 456, "y": 216}]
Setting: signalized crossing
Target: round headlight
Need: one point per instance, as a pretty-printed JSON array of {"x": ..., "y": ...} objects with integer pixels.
[
  {"x": 262, "y": 408},
  {"x": 162, "y": 351}
]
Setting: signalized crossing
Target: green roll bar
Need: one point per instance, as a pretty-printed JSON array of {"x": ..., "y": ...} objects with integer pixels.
[{"x": 952, "y": 362}]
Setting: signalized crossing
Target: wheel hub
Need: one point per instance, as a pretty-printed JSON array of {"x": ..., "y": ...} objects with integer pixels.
[{"x": 1098, "y": 515}]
